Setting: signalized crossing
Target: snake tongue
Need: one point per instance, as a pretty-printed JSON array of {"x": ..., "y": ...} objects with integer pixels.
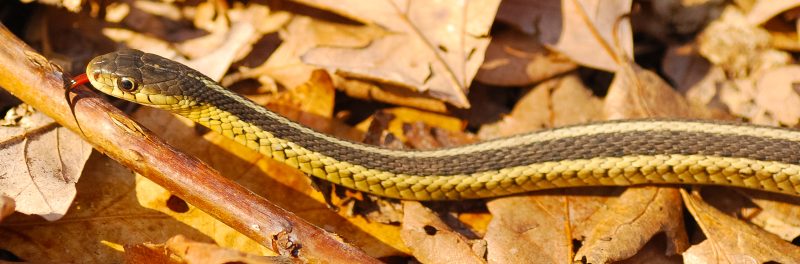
[{"x": 79, "y": 80}]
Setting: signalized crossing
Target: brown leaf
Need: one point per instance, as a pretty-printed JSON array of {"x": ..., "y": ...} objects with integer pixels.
[
  {"x": 596, "y": 34},
  {"x": 213, "y": 53},
  {"x": 71, "y": 5},
  {"x": 42, "y": 163},
  {"x": 389, "y": 94},
  {"x": 685, "y": 68},
  {"x": 436, "y": 47},
  {"x": 653, "y": 253},
  {"x": 6, "y": 206},
  {"x": 104, "y": 215},
  {"x": 729, "y": 240},
  {"x": 431, "y": 240},
  {"x": 299, "y": 36},
  {"x": 621, "y": 229},
  {"x": 315, "y": 96},
  {"x": 764, "y": 10},
  {"x": 778, "y": 214},
  {"x": 403, "y": 115},
  {"x": 777, "y": 94},
  {"x": 516, "y": 59},
  {"x": 740, "y": 48},
  {"x": 639, "y": 93},
  {"x": 179, "y": 249},
  {"x": 553, "y": 103},
  {"x": 541, "y": 18},
  {"x": 525, "y": 228}
]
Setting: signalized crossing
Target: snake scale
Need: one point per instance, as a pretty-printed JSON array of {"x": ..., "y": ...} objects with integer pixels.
[{"x": 615, "y": 153}]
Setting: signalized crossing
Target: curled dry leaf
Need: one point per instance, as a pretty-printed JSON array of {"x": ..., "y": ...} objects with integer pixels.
[
  {"x": 431, "y": 240},
  {"x": 435, "y": 47},
  {"x": 516, "y": 59},
  {"x": 182, "y": 250},
  {"x": 42, "y": 163},
  {"x": 388, "y": 94},
  {"x": 729, "y": 240},
  {"x": 596, "y": 34},
  {"x": 621, "y": 229}
]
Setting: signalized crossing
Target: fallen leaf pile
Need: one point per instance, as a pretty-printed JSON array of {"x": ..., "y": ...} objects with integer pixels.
[{"x": 410, "y": 75}]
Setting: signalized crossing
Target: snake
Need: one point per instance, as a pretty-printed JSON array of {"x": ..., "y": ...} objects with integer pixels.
[{"x": 606, "y": 153}]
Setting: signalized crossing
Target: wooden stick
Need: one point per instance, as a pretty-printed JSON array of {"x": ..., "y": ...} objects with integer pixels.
[{"x": 31, "y": 78}]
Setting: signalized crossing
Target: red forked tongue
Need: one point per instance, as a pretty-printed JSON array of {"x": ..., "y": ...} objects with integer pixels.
[{"x": 79, "y": 80}]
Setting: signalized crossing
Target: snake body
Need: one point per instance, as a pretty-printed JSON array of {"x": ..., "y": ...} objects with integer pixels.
[{"x": 616, "y": 153}]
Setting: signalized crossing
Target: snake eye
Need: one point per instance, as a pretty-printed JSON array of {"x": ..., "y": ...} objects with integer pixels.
[{"x": 126, "y": 84}]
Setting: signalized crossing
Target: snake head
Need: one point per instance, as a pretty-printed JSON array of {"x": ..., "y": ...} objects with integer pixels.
[{"x": 143, "y": 78}]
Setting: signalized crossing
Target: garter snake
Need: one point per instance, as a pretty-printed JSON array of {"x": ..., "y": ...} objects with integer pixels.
[{"x": 617, "y": 153}]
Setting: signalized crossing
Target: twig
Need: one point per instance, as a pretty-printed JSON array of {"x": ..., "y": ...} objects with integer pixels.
[{"x": 31, "y": 78}]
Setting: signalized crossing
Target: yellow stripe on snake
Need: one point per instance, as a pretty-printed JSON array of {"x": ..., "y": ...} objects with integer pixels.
[{"x": 617, "y": 153}]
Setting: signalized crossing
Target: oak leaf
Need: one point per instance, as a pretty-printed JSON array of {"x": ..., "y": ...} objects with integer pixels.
[
  {"x": 41, "y": 164},
  {"x": 434, "y": 47},
  {"x": 729, "y": 240}
]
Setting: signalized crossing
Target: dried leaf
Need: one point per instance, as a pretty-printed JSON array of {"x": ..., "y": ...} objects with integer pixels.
[
  {"x": 525, "y": 228},
  {"x": 153, "y": 196},
  {"x": 683, "y": 17},
  {"x": 553, "y": 103},
  {"x": 42, "y": 163},
  {"x": 515, "y": 59},
  {"x": 729, "y": 240},
  {"x": 389, "y": 94},
  {"x": 431, "y": 240},
  {"x": 639, "y": 93},
  {"x": 179, "y": 249},
  {"x": 71, "y": 5},
  {"x": 404, "y": 115},
  {"x": 777, "y": 94},
  {"x": 622, "y": 228},
  {"x": 764, "y": 10},
  {"x": 316, "y": 96},
  {"x": 653, "y": 253},
  {"x": 541, "y": 18},
  {"x": 104, "y": 215},
  {"x": 596, "y": 34},
  {"x": 778, "y": 214},
  {"x": 7, "y": 206},
  {"x": 740, "y": 48},
  {"x": 299, "y": 36},
  {"x": 436, "y": 47}
]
